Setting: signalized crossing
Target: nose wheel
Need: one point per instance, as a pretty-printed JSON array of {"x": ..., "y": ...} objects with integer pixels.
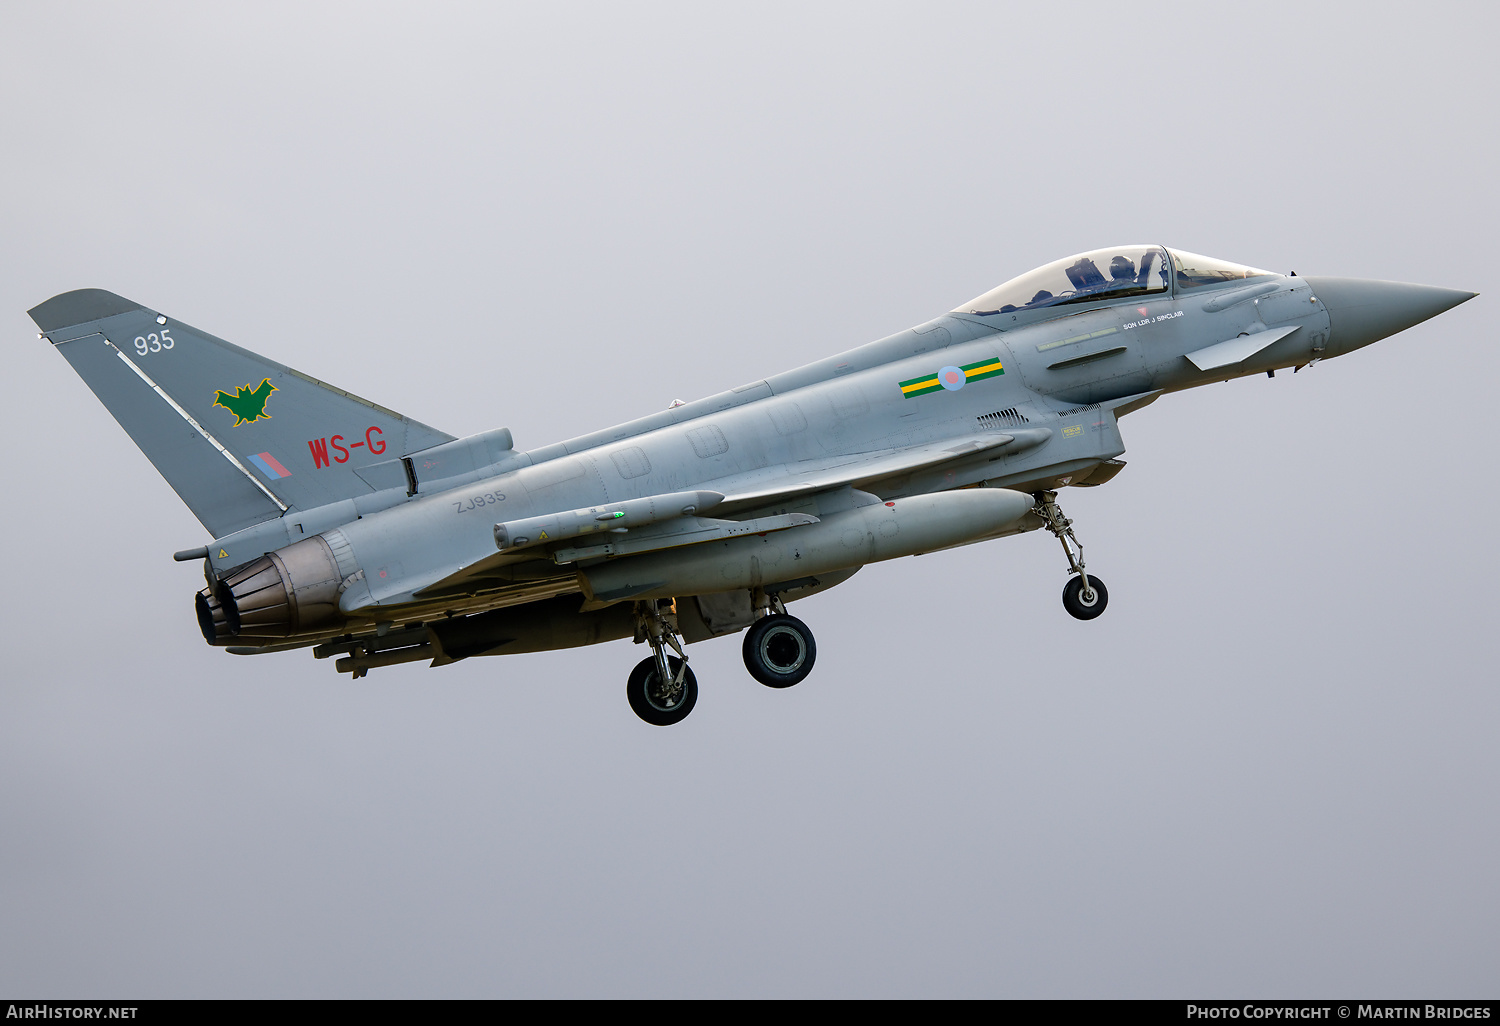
[{"x": 1084, "y": 597}]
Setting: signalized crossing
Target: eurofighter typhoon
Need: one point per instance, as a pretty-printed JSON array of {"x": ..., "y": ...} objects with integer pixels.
[{"x": 345, "y": 527}]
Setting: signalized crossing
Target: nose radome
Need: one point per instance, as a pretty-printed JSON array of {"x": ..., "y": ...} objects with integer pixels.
[{"x": 1362, "y": 310}]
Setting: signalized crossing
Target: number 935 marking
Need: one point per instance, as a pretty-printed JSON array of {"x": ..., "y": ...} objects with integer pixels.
[
  {"x": 154, "y": 343},
  {"x": 479, "y": 500}
]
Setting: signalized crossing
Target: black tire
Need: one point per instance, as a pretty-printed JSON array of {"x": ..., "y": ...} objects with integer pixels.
[
  {"x": 650, "y": 704},
  {"x": 1075, "y": 603},
  {"x": 779, "y": 650}
]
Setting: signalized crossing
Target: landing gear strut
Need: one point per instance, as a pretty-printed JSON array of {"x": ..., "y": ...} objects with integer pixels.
[
  {"x": 662, "y": 689},
  {"x": 1084, "y": 597},
  {"x": 779, "y": 650}
]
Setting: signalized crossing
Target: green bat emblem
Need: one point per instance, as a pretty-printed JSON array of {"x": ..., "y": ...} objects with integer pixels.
[{"x": 246, "y": 404}]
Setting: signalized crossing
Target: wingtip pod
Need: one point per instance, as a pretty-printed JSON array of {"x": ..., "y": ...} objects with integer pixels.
[{"x": 81, "y": 306}]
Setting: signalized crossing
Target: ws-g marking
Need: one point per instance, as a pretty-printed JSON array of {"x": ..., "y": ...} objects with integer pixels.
[
  {"x": 319, "y": 447},
  {"x": 476, "y": 501},
  {"x": 246, "y": 405}
]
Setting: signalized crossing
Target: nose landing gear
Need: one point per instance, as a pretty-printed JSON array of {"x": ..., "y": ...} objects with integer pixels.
[{"x": 1084, "y": 597}]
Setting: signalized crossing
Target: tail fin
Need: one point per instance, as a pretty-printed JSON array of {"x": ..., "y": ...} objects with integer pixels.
[{"x": 240, "y": 438}]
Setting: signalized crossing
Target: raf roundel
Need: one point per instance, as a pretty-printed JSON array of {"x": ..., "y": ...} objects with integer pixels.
[{"x": 952, "y": 378}]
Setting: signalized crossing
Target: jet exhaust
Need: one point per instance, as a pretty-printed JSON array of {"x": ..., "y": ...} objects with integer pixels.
[{"x": 283, "y": 594}]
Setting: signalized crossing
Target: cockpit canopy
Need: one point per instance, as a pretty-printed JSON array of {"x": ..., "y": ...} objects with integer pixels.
[
  {"x": 1105, "y": 274},
  {"x": 1194, "y": 270}
]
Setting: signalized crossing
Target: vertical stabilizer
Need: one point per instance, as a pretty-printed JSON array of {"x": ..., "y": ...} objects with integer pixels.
[{"x": 239, "y": 437}]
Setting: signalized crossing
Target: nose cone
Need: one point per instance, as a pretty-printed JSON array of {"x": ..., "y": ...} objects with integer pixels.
[{"x": 1361, "y": 310}]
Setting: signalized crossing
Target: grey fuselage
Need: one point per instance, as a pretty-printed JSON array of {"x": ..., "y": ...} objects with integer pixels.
[{"x": 1071, "y": 371}]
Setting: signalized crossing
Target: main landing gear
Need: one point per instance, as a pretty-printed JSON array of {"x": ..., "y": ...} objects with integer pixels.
[
  {"x": 662, "y": 690},
  {"x": 779, "y": 651},
  {"x": 1084, "y": 597}
]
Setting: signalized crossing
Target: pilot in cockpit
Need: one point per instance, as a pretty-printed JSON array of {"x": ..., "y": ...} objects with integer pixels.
[{"x": 1085, "y": 276}]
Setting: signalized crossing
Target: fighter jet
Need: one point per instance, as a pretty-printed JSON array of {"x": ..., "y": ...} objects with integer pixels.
[{"x": 342, "y": 526}]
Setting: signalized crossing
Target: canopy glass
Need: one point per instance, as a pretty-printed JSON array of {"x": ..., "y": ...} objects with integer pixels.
[
  {"x": 1084, "y": 278},
  {"x": 1194, "y": 270}
]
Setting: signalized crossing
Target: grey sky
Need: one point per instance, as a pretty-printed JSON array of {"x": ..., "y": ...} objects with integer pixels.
[{"x": 1269, "y": 769}]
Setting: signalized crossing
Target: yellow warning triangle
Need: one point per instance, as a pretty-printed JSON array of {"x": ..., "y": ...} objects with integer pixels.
[
  {"x": 223, "y": 554},
  {"x": 542, "y": 536}
]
